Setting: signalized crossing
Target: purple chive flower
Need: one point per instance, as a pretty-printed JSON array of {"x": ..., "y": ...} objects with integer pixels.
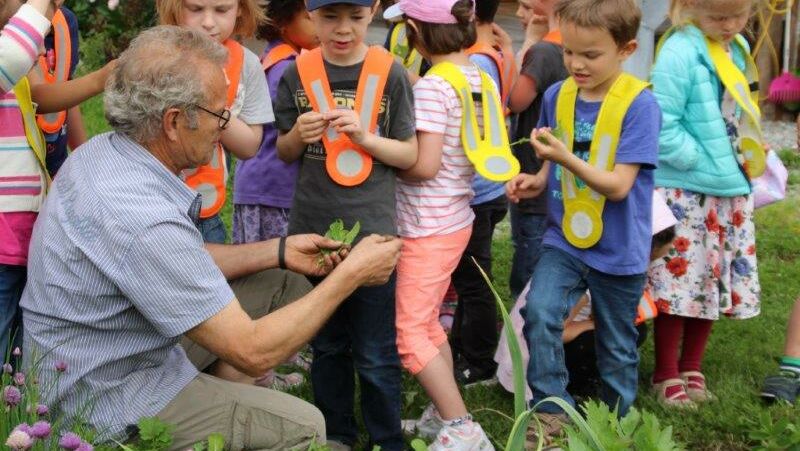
[
  {"x": 7, "y": 368},
  {"x": 85, "y": 447},
  {"x": 24, "y": 427},
  {"x": 41, "y": 429},
  {"x": 19, "y": 440},
  {"x": 61, "y": 366},
  {"x": 19, "y": 378},
  {"x": 42, "y": 409},
  {"x": 12, "y": 395},
  {"x": 70, "y": 441},
  {"x": 16, "y": 352}
]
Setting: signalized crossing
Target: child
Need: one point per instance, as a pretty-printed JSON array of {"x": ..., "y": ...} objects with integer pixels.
[
  {"x": 407, "y": 55},
  {"x": 785, "y": 385},
  {"x": 434, "y": 214},
  {"x": 599, "y": 212},
  {"x": 579, "y": 338},
  {"x": 351, "y": 176},
  {"x": 474, "y": 333},
  {"x": 264, "y": 185},
  {"x": 248, "y": 101},
  {"x": 24, "y": 178},
  {"x": 542, "y": 65},
  {"x": 701, "y": 79}
]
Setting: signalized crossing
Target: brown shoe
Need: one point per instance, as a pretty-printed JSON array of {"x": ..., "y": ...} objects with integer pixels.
[
  {"x": 696, "y": 387},
  {"x": 550, "y": 426},
  {"x": 671, "y": 393}
]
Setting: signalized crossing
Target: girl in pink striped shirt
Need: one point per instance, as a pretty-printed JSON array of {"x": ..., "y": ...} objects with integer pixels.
[{"x": 435, "y": 219}]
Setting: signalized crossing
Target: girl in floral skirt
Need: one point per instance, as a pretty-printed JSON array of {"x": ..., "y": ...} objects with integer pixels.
[{"x": 711, "y": 269}]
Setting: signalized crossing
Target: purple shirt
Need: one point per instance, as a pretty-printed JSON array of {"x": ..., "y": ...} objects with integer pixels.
[{"x": 265, "y": 179}]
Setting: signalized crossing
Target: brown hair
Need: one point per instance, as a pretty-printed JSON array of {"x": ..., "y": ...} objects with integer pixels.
[
  {"x": 441, "y": 39},
  {"x": 619, "y": 17},
  {"x": 681, "y": 12},
  {"x": 7, "y": 9},
  {"x": 250, "y": 15},
  {"x": 279, "y": 14}
]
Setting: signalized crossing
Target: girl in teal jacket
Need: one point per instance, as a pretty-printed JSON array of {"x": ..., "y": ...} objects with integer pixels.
[{"x": 711, "y": 269}]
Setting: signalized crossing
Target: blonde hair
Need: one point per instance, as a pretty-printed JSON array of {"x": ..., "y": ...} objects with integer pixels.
[
  {"x": 620, "y": 18},
  {"x": 250, "y": 15},
  {"x": 681, "y": 12}
]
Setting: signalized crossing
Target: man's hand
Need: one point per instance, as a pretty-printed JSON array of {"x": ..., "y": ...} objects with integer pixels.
[
  {"x": 311, "y": 126},
  {"x": 547, "y": 146},
  {"x": 373, "y": 259},
  {"x": 347, "y": 121},
  {"x": 525, "y": 186},
  {"x": 304, "y": 256}
]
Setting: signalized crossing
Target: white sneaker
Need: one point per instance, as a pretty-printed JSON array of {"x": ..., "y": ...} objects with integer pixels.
[
  {"x": 428, "y": 425},
  {"x": 467, "y": 436}
]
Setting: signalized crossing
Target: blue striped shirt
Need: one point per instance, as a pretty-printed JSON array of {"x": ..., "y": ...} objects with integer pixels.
[{"x": 117, "y": 273}]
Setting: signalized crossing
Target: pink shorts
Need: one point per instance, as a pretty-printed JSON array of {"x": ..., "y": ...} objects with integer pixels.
[{"x": 423, "y": 275}]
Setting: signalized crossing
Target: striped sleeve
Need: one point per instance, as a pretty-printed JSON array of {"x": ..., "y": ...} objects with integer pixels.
[
  {"x": 430, "y": 105},
  {"x": 20, "y": 41}
]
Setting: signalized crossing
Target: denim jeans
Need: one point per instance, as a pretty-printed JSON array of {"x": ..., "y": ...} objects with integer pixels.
[
  {"x": 213, "y": 230},
  {"x": 526, "y": 236},
  {"x": 559, "y": 277},
  {"x": 360, "y": 337},
  {"x": 12, "y": 281}
]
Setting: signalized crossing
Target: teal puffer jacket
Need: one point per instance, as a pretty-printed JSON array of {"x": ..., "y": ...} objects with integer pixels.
[{"x": 695, "y": 152}]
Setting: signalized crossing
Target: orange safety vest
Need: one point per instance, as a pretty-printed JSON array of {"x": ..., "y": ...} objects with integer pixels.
[
  {"x": 277, "y": 54},
  {"x": 52, "y": 122},
  {"x": 209, "y": 180},
  {"x": 506, "y": 67},
  {"x": 647, "y": 309},
  {"x": 347, "y": 163}
]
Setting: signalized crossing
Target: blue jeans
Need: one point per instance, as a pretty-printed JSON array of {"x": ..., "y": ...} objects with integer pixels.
[
  {"x": 360, "y": 338},
  {"x": 12, "y": 281},
  {"x": 213, "y": 230},
  {"x": 559, "y": 278},
  {"x": 526, "y": 236}
]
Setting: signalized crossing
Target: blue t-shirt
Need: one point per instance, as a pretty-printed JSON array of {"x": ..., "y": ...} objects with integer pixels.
[
  {"x": 624, "y": 247},
  {"x": 57, "y": 142},
  {"x": 486, "y": 190}
]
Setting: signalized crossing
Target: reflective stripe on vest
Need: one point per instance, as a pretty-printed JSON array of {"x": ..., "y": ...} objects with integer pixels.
[
  {"x": 505, "y": 67},
  {"x": 209, "y": 180},
  {"x": 277, "y": 54},
  {"x": 52, "y": 122},
  {"x": 347, "y": 163},
  {"x": 490, "y": 151},
  {"x": 647, "y": 309},
  {"x": 583, "y": 207},
  {"x": 33, "y": 134},
  {"x": 403, "y": 53}
]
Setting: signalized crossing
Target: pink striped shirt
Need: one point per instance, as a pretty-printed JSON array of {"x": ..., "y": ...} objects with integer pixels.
[{"x": 441, "y": 205}]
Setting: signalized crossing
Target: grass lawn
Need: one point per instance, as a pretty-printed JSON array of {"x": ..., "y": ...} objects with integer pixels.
[{"x": 739, "y": 354}]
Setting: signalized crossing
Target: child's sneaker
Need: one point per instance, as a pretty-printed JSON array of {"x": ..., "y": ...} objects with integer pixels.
[
  {"x": 696, "y": 387},
  {"x": 428, "y": 425},
  {"x": 671, "y": 393},
  {"x": 464, "y": 436},
  {"x": 784, "y": 386},
  {"x": 279, "y": 381}
]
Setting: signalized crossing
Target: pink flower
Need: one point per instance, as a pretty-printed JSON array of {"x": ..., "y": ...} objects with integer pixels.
[
  {"x": 16, "y": 352},
  {"x": 41, "y": 429},
  {"x": 61, "y": 366},
  {"x": 19, "y": 440},
  {"x": 7, "y": 368},
  {"x": 85, "y": 447},
  {"x": 70, "y": 441},
  {"x": 24, "y": 427},
  {"x": 12, "y": 395},
  {"x": 42, "y": 409},
  {"x": 19, "y": 378}
]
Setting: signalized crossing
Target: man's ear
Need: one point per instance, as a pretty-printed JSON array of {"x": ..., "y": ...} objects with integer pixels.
[
  {"x": 169, "y": 122},
  {"x": 627, "y": 49}
]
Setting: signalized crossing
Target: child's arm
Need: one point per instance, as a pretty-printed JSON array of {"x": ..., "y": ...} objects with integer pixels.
[
  {"x": 392, "y": 152},
  {"x": 54, "y": 97},
  {"x": 20, "y": 37},
  {"x": 241, "y": 139},
  {"x": 307, "y": 130},
  {"x": 614, "y": 185},
  {"x": 76, "y": 132},
  {"x": 429, "y": 159}
]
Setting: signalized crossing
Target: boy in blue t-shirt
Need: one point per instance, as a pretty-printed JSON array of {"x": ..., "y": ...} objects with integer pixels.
[{"x": 597, "y": 38}]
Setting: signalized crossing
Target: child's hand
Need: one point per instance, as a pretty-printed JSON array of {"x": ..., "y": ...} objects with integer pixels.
[
  {"x": 524, "y": 186},
  {"x": 348, "y": 122},
  {"x": 502, "y": 39},
  {"x": 547, "y": 146},
  {"x": 311, "y": 126},
  {"x": 537, "y": 27}
]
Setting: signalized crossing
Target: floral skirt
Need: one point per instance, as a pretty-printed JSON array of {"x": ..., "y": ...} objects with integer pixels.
[
  {"x": 253, "y": 223},
  {"x": 711, "y": 268}
]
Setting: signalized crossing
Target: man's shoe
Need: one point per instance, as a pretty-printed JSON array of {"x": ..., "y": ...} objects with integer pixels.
[
  {"x": 550, "y": 426},
  {"x": 464, "y": 437},
  {"x": 428, "y": 425},
  {"x": 784, "y": 386}
]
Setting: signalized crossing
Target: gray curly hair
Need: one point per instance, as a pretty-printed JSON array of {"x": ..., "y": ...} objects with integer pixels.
[{"x": 158, "y": 71}]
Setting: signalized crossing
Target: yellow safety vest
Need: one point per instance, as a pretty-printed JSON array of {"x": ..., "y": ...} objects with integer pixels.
[
  {"x": 22, "y": 91},
  {"x": 405, "y": 55},
  {"x": 583, "y": 207},
  {"x": 490, "y": 151}
]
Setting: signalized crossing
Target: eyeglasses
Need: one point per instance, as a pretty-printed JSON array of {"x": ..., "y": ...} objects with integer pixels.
[{"x": 224, "y": 117}]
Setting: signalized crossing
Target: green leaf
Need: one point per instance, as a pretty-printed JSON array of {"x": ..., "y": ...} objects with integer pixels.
[
  {"x": 418, "y": 445},
  {"x": 352, "y": 234},
  {"x": 216, "y": 442},
  {"x": 154, "y": 433}
]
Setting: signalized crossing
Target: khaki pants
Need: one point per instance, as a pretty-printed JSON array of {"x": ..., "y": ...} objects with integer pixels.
[{"x": 249, "y": 417}]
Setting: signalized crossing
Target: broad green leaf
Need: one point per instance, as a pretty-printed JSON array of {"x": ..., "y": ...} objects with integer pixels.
[
  {"x": 418, "y": 445},
  {"x": 352, "y": 234},
  {"x": 216, "y": 442}
]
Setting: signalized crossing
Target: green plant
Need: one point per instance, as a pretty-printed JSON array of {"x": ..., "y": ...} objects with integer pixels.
[
  {"x": 771, "y": 435},
  {"x": 336, "y": 231}
]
